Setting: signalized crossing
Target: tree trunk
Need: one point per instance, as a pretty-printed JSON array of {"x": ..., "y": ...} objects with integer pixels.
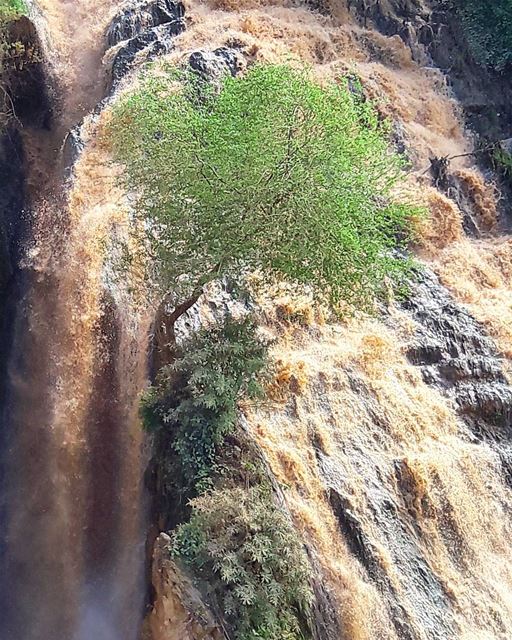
[{"x": 164, "y": 334}]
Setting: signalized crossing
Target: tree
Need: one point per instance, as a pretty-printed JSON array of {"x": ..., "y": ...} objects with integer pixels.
[{"x": 272, "y": 172}]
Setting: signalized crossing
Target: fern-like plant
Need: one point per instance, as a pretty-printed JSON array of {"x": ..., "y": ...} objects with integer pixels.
[
  {"x": 193, "y": 405},
  {"x": 243, "y": 546}
]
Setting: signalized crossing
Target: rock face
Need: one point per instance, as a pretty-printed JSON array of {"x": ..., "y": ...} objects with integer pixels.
[
  {"x": 143, "y": 31},
  {"x": 434, "y": 33},
  {"x": 212, "y": 65},
  {"x": 30, "y": 88},
  {"x": 138, "y": 17},
  {"x": 179, "y": 612},
  {"x": 12, "y": 228},
  {"x": 456, "y": 354},
  {"x": 12, "y": 177},
  {"x": 426, "y": 593}
]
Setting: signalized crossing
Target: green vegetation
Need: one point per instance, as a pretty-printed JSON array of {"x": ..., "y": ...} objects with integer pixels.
[
  {"x": 502, "y": 161},
  {"x": 256, "y": 568},
  {"x": 193, "y": 406},
  {"x": 269, "y": 173},
  {"x": 488, "y": 26},
  {"x": 272, "y": 172},
  {"x": 11, "y": 9},
  {"x": 240, "y": 546}
]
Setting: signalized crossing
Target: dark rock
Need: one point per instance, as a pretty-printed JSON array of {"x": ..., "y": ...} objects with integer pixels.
[
  {"x": 28, "y": 84},
  {"x": 506, "y": 146},
  {"x": 425, "y": 591},
  {"x": 12, "y": 177},
  {"x": 435, "y": 35},
  {"x": 490, "y": 400},
  {"x": 212, "y": 65},
  {"x": 325, "y": 623},
  {"x": 149, "y": 44},
  {"x": 353, "y": 532},
  {"x": 138, "y": 17},
  {"x": 12, "y": 232},
  {"x": 456, "y": 354},
  {"x": 146, "y": 30},
  {"x": 73, "y": 147}
]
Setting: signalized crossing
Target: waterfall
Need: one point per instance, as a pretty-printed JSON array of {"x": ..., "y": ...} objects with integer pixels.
[
  {"x": 73, "y": 533},
  {"x": 391, "y": 438}
]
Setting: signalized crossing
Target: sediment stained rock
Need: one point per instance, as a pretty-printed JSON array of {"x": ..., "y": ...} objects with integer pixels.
[
  {"x": 456, "y": 354},
  {"x": 179, "y": 612}
]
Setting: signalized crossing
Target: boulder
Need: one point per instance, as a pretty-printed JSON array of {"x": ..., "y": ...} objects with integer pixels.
[{"x": 212, "y": 65}]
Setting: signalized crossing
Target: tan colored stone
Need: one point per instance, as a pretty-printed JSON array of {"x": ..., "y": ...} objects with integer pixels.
[{"x": 178, "y": 612}]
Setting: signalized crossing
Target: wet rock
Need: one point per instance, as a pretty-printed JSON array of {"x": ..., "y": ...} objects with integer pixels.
[
  {"x": 137, "y": 17},
  {"x": 405, "y": 18},
  {"x": 12, "y": 176},
  {"x": 179, "y": 612},
  {"x": 146, "y": 46},
  {"x": 212, "y": 65},
  {"x": 506, "y": 146},
  {"x": 493, "y": 400},
  {"x": 326, "y": 624},
  {"x": 434, "y": 33},
  {"x": 455, "y": 353},
  {"x": 143, "y": 30},
  {"x": 424, "y": 591},
  {"x": 26, "y": 76},
  {"x": 354, "y": 534},
  {"x": 73, "y": 147}
]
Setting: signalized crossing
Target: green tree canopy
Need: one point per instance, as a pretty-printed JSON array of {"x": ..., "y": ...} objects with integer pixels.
[{"x": 271, "y": 172}]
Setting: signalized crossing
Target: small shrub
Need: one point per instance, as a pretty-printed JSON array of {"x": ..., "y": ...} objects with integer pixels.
[
  {"x": 193, "y": 405},
  {"x": 502, "y": 161},
  {"x": 243, "y": 546}
]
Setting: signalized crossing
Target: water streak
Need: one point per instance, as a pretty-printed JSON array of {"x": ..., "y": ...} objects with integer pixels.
[{"x": 74, "y": 533}]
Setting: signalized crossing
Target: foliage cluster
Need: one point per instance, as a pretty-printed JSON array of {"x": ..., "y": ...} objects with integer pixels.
[
  {"x": 255, "y": 565},
  {"x": 271, "y": 172},
  {"x": 10, "y": 9},
  {"x": 488, "y": 26},
  {"x": 502, "y": 161},
  {"x": 193, "y": 405},
  {"x": 234, "y": 538}
]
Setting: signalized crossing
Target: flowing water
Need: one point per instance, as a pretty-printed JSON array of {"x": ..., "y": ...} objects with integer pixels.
[
  {"x": 73, "y": 539},
  {"x": 391, "y": 437}
]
